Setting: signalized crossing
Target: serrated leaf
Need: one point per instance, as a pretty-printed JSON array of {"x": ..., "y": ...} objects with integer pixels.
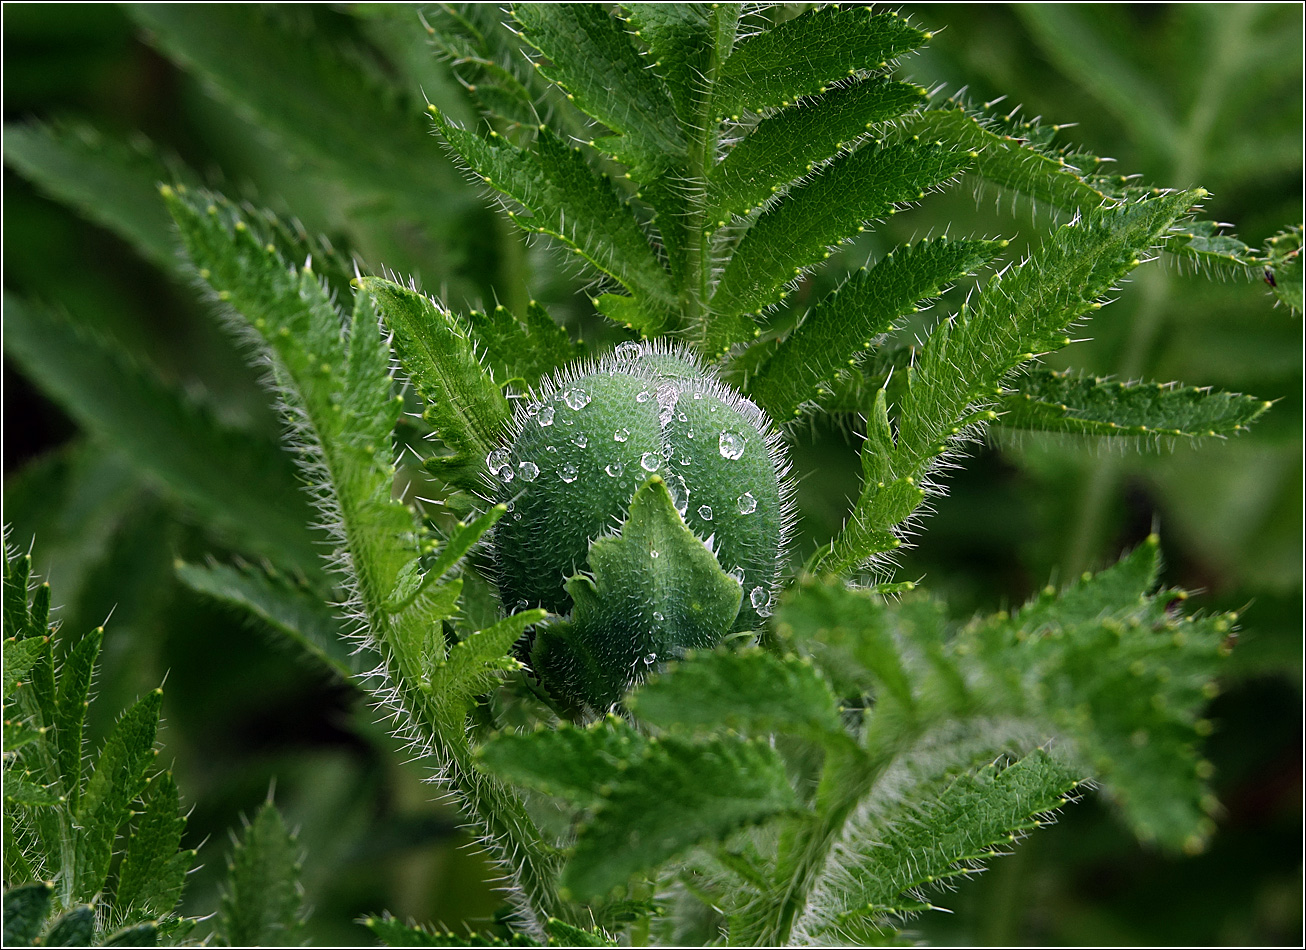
[
  {"x": 749, "y": 690},
  {"x": 252, "y": 495},
  {"x": 473, "y": 663},
  {"x": 19, "y": 658},
  {"x": 794, "y": 142},
  {"x": 795, "y": 232},
  {"x": 1284, "y": 270},
  {"x": 842, "y": 326},
  {"x": 438, "y": 354},
  {"x": 119, "y": 777},
  {"x": 76, "y": 928},
  {"x": 676, "y": 796},
  {"x": 153, "y": 871},
  {"x": 571, "y": 762},
  {"x": 1052, "y": 401},
  {"x": 656, "y": 591},
  {"x": 22, "y": 792},
  {"x": 112, "y": 182},
  {"x": 1204, "y": 242},
  {"x": 19, "y": 734},
  {"x": 261, "y": 903},
  {"x": 575, "y": 204},
  {"x": 70, "y": 711},
  {"x": 563, "y": 934},
  {"x": 136, "y": 935},
  {"x": 484, "y": 54},
  {"x": 679, "y": 37},
  {"x": 1007, "y": 159},
  {"x": 288, "y": 608},
  {"x": 925, "y": 843},
  {"x": 802, "y": 56},
  {"x": 25, "y": 910},
  {"x": 593, "y": 59},
  {"x": 525, "y": 348},
  {"x": 1020, "y": 313}
]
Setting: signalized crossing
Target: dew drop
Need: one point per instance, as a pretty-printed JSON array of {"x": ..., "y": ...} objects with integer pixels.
[
  {"x": 760, "y": 598},
  {"x": 685, "y": 460},
  {"x": 738, "y": 574},
  {"x": 747, "y": 503},
  {"x": 621, "y": 435},
  {"x": 551, "y": 449},
  {"x": 497, "y": 459},
  {"x": 667, "y": 396},
  {"x": 705, "y": 512},
  {"x": 576, "y": 398},
  {"x": 627, "y": 351},
  {"x": 650, "y": 462},
  {"x": 580, "y": 441},
  {"x": 668, "y": 450},
  {"x": 689, "y": 434},
  {"x": 682, "y": 417},
  {"x": 731, "y": 444},
  {"x": 615, "y": 469},
  {"x": 652, "y": 553},
  {"x": 528, "y": 471},
  {"x": 546, "y": 416},
  {"x": 657, "y": 615},
  {"x": 644, "y": 396},
  {"x": 568, "y": 473},
  {"x": 510, "y": 506},
  {"x": 505, "y": 474}
]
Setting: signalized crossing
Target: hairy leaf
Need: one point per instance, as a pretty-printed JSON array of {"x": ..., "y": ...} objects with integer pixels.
[
  {"x": 1053, "y": 401},
  {"x": 677, "y": 795},
  {"x": 476, "y": 661},
  {"x": 463, "y": 403},
  {"x": 154, "y": 869},
  {"x": 262, "y": 904},
  {"x": 803, "y": 56},
  {"x": 522, "y": 349},
  {"x": 923, "y": 844},
  {"x": 748, "y": 690},
  {"x": 841, "y": 327},
  {"x": 25, "y": 910},
  {"x": 795, "y": 232},
  {"x": 592, "y": 58},
  {"x": 573, "y": 203},
  {"x": 794, "y": 142},
  {"x": 75, "y": 928},
  {"x": 570, "y": 762}
]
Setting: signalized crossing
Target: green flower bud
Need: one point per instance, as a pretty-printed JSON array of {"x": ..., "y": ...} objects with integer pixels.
[{"x": 598, "y": 431}]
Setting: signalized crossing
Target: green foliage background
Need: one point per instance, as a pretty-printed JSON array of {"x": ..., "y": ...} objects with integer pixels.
[{"x": 1185, "y": 95}]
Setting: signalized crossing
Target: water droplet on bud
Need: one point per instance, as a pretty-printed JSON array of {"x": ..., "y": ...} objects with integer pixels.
[
  {"x": 576, "y": 398},
  {"x": 528, "y": 471},
  {"x": 705, "y": 512},
  {"x": 568, "y": 473},
  {"x": 650, "y": 462},
  {"x": 731, "y": 444},
  {"x": 747, "y": 503}
]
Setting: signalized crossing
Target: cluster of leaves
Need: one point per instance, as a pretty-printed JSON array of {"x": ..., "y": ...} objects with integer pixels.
[
  {"x": 817, "y": 786},
  {"x": 64, "y": 816}
]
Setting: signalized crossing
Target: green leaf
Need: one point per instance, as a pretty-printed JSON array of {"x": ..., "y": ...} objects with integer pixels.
[
  {"x": 570, "y": 201},
  {"x": 1053, "y": 401},
  {"x": 676, "y": 796},
  {"x": 679, "y": 37},
  {"x": 831, "y": 207},
  {"x": 1020, "y": 313},
  {"x": 322, "y": 101},
  {"x": 1284, "y": 270},
  {"x": 485, "y": 55},
  {"x": 137, "y": 935},
  {"x": 592, "y": 57},
  {"x": 25, "y": 910},
  {"x": 118, "y": 779},
  {"x": 1007, "y": 159},
  {"x": 76, "y": 928},
  {"x": 749, "y": 690},
  {"x": 805, "y": 55},
  {"x": 656, "y": 591},
  {"x": 22, "y": 792},
  {"x": 794, "y": 142},
  {"x": 252, "y": 495},
  {"x": 922, "y": 844},
  {"x": 1203, "y": 241},
  {"x": 475, "y": 662},
  {"x": 570, "y": 762},
  {"x": 19, "y": 658},
  {"x": 153, "y": 870},
  {"x": 70, "y": 711},
  {"x": 112, "y": 182},
  {"x": 522, "y": 349},
  {"x": 438, "y": 352},
  {"x": 262, "y": 904},
  {"x": 841, "y": 327},
  {"x": 288, "y": 608}
]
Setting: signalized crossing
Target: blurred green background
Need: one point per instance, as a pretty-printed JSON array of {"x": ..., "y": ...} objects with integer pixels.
[{"x": 316, "y": 113}]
